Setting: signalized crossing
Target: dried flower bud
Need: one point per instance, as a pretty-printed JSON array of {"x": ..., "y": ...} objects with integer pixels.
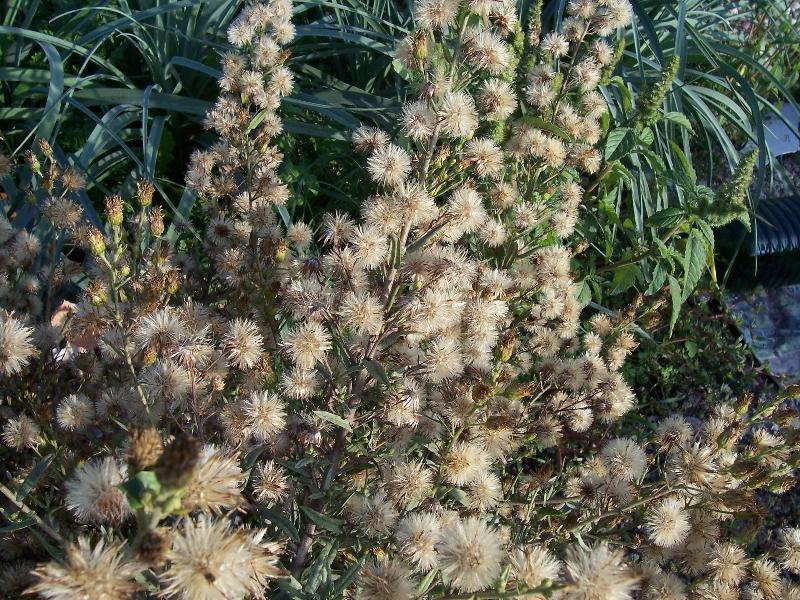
[
  {"x": 33, "y": 162},
  {"x": 45, "y": 148},
  {"x": 156, "y": 217},
  {"x": 97, "y": 292},
  {"x": 114, "y": 210},
  {"x": 217, "y": 383},
  {"x": 507, "y": 346},
  {"x": 281, "y": 251},
  {"x": 743, "y": 403},
  {"x": 96, "y": 241},
  {"x": 176, "y": 464},
  {"x": 152, "y": 548},
  {"x": 144, "y": 192},
  {"x": 144, "y": 448}
]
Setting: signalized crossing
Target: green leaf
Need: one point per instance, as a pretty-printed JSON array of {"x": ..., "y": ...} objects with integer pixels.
[
  {"x": 667, "y": 217},
  {"x": 646, "y": 136},
  {"x": 19, "y": 525},
  {"x": 659, "y": 277},
  {"x": 680, "y": 119},
  {"x": 292, "y": 588},
  {"x": 281, "y": 522},
  {"x": 584, "y": 293},
  {"x": 458, "y": 495},
  {"x": 695, "y": 262},
  {"x": 675, "y": 293},
  {"x": 707, "y": 232},
  {"x": 377, "y": 371},
  {"x": 251, "y": 458},
  {"x": 666, "y": 252},
  {"x": 335, "y": 419},
  {"x": 319, "y": 570},
  {"x": 426, "y": 581},
  {"x": 344, "y": 580},
  {"x": 547, "y": 126},
  {"x": 139, "y": 485},
  {"x": 55, "y": 91},
  {"x": 619, "y": 142},
  {"x": 328, "y": 523},
  {"x": 624, "y": 278},
  {"x": 33, "y": 477}
]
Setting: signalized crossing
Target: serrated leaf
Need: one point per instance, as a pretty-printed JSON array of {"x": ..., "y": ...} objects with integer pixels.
[
  {"x": 619, "y": 142},
  {"x": 583, "y": 294},
  {"x": 659, "y": 277},
  {"x": 680, "y": 119},
  {"x": 328, "y": 523},
  {"x": 624, "y": 278},
  {"x": 332, "y": 418},
  {"x": 667, "y": 217},
  {"x": 707, "y": 232},
  {"x": 675, "y": 293},
  {"x": 666, "y": 252},
  {"x": 683, "y": 173},
  {"x": 695, "y": 262},
  {"x": 646, "y": 136}
]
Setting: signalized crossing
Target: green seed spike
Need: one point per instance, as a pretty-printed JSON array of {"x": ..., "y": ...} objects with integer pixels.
[
  {"x": 535, "y": 23},
  {"x": 651, "y": 98},
  {"x": 729, "y": 201},
  {"x": 531, "y": 38}
]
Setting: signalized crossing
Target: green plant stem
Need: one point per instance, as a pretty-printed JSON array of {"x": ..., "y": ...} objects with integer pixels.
[
  {"x": 635, "y": 259},
  {"x": 604, "y": 171}
]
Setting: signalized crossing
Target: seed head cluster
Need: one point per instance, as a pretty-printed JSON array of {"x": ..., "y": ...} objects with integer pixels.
[{"x": 411, "y": 401}]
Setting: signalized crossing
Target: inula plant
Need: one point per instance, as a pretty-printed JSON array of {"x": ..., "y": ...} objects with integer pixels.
[{"x": 410, "y": 402}]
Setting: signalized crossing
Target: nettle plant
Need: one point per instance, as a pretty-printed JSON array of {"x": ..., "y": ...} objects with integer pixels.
[{"x": 406, "y": 404}]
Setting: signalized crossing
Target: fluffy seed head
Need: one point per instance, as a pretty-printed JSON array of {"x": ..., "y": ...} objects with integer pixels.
[
  {"x": 93, "y": 495},
  {"x": 667, "y": 523},
  {"x": 471, "y": 555}
]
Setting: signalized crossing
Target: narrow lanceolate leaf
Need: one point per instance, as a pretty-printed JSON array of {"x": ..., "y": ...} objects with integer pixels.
[
  {"x": 695, "y": 263},
  {"x": 281, "y": 522},
  {"x": 33, "y": 477},
  {"x": 332, "y": 418},
  {"x": 324, "y": 521},
  {"x": 376, "y": 370},
  {"x": 344, "y": 580},
  {"x": 675, "y": 293}
]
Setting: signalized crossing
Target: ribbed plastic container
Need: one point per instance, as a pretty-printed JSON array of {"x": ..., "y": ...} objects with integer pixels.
[{"x": 770, "y": 254}]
